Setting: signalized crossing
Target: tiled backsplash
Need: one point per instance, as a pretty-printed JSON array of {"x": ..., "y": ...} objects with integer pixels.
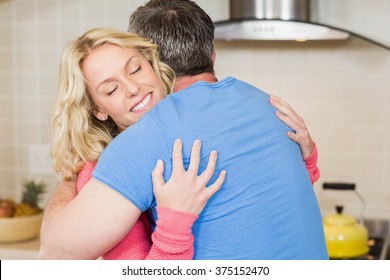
[{"x": 341, "y": 89}]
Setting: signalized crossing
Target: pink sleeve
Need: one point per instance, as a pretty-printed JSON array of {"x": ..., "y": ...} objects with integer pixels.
[
  {"x": 172, "y": 238},
  {"x": 84, "y": 175},
  {"x": 311, "y": 165}
]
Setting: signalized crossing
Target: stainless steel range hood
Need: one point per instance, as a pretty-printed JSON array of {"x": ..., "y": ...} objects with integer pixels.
[{"x": 273, "y": 20}]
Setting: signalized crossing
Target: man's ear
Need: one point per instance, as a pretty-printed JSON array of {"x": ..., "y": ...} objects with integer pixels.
[
  {"x": 214, "y": 56},
  {"x": 99, "y": 115}
]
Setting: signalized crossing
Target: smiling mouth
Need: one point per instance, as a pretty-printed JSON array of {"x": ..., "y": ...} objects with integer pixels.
[{"x": 143, "y": 104}]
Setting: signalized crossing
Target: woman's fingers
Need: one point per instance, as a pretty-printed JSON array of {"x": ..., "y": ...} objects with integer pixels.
[
  {"x": 157, "y": 175},
  {"x": 300, "y": 132},
  {"x": 177, "y": 156},
  {"x": 213, "y": 188},
  {"x": 186, "y": 191},
  {"x": 288, "y": 121},
  {"x": 287, "y": 114},
  {"x": 285, "y": 108},
  {"x": 302, "y": 141},
  {"x": 210, "y": 168},
  {"x": 195, "y": 157}
]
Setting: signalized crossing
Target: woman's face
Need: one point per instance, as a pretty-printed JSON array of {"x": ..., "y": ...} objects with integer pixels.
[{"x": 122, "y": 83}]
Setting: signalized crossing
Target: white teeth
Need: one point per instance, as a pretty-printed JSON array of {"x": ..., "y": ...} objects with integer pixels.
[{"x": 142, "y": 104}]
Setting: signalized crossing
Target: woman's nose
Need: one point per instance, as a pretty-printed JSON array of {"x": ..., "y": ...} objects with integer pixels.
[{"x": 132, "y": 88}]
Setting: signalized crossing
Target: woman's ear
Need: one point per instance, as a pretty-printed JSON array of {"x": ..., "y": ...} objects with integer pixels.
[{"x": 99, "y": 115}]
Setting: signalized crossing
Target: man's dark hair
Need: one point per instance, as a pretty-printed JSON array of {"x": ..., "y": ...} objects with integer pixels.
[{"x": 183, "y": 31}]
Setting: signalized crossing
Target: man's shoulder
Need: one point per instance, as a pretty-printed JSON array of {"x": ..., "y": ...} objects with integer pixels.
[{"x": 145, "y": 132}]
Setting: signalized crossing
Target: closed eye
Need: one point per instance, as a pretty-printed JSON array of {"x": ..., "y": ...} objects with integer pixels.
[
  {"x": 112, "y": 91},
  {"x": 136, "y": 70}
]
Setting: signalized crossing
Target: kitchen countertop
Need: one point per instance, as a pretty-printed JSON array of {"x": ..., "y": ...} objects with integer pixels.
[{"x": 26, "y": 250}]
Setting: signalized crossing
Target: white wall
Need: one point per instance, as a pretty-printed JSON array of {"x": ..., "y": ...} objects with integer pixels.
[{"x": 341, "y": 89}]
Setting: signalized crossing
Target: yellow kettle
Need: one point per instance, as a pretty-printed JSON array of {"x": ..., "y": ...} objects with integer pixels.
[{"x": 345, "y": 237}]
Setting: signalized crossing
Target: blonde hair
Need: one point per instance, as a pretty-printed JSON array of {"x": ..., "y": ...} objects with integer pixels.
[{"x": 79, "y": 137}]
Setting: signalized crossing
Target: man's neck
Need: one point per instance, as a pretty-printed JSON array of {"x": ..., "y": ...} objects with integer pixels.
[{"x": 186, "y": 81}]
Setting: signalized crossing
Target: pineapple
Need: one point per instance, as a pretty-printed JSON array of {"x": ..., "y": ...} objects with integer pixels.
[{"x": 30, "y": 198}]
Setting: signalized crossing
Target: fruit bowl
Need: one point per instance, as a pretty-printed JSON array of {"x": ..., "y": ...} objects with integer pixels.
[
  {"x": 14, "y": 229},
  {"x": 22, "y": 221}
]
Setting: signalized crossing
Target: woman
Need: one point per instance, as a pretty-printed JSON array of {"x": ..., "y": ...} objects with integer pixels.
[{"x": 118, "y": 77}]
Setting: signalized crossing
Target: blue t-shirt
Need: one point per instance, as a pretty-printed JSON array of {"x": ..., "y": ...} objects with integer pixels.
[{"x": 266, "y": 209}]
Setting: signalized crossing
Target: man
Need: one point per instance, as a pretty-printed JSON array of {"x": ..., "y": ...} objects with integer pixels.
[{"x": 265, "y": 210}]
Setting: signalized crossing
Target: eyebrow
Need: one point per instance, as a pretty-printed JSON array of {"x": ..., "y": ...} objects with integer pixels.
[{"x": 124, "y": 67}]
